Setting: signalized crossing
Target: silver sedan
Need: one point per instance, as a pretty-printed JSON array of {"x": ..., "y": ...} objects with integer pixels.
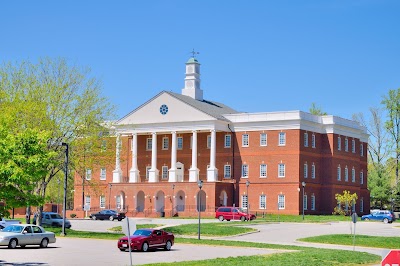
[{"x": 25, "y": 234}]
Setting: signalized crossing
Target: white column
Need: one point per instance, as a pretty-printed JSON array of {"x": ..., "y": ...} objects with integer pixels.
[
  {"x": 212, "y": 172},
  {"x": 134, "y": 172},
  {"x": 117, "y": 173},
  {"x": 153, "y": 172},
  {"x": 194, "y": 171},
  {"x": 172, "y": 170}
]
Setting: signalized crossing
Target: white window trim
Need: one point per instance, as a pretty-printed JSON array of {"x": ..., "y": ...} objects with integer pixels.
[
  {"x": 88, "y": 174},
  {"x": 230, "y": 171},
  {"x": 346, "y": 144},
  {"x": 305, "y": 139},
  {"x": 245, "y": 201},
  {"x": 147, "y": 172},
  {"x": 263, "y": 201},
  {"x": 346, "y": 174},
  {"x": 102, "y": 203},
  {"x": 313, "y": 141},
  {"x": 263, "y": 176},
  {"x": 227, "y": 136},
  {"x": 313, "y": 202},
  {"x": 339, "y": 173},
  {"x": 305, "y": 202},
  {"x": 313, "y": 174},
  {"x": 353, "y": 175},
  {"x": 261, "y": 140},
  {"x": 339, "y": 143},
  {"x": 103, "y": 173},
  {"x": 284, "y": 170},
  {"x": 177, "y": 143},
  {"x": 247, "y": 167},
  {"x": 245, "y": 138},
  {"x": 165, "y": 143},
  {"x": 353, "y": 146},
  {"x": 362, "y": 177},
  {"x": 163, "y": 171},
  {"x": 282, "y": 139},
  {"x": 149, "y": 144},
  {"x": 281, "y": 206},
  {"x": 305, "y": 170}
]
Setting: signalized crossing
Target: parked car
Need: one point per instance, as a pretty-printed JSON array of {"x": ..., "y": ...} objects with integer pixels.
[
  {"x": 4, "y": 222},
  {"x": 54, "y": 219},
  {"x": 108, "y": 215},
  {"x": 144, "y": 239},
  {"x": 25, "y": 234},
  {"x": 381, "y": 215},
  {"x": 233, "y": 213}
]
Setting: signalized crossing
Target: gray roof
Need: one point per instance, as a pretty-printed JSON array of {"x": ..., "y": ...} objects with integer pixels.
[{"x": 214, "y": 109}]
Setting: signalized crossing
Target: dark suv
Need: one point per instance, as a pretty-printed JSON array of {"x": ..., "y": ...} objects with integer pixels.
[{"x": 233, "y": 213}]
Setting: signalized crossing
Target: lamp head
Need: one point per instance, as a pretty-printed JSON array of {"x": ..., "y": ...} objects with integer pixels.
[
  {"x": 303, "y": 184},
  {"x": 247, "y": 183},
  {"x": 200, "y": 183}
]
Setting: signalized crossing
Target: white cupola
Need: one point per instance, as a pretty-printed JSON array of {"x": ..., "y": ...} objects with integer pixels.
[{"x": 192, "y": 80}]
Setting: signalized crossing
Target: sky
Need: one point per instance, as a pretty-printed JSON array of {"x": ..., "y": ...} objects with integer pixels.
[{"x": 255, "y": 56}]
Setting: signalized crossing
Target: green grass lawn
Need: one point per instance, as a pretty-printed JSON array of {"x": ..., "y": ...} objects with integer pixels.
[
  {"x": 360, "y": 240},
  {"x": 210, "y": 229}
]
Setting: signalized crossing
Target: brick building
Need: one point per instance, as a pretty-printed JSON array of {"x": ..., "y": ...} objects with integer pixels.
[{"x": 256, "y": 160}]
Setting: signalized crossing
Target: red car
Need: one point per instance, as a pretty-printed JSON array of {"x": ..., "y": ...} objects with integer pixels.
[
  {"x": 233, "y": 213},
  {"x": 143, "y": 239}
]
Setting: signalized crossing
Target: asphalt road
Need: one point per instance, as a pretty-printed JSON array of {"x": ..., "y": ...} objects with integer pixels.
[{"x": 70, "y": 251}]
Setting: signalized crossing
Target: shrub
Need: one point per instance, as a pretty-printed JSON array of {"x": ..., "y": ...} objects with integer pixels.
[{"x": 73, "y": 215}]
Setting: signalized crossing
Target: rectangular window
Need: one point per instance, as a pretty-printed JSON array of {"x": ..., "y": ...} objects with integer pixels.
[
  {"x": 87, "y": 200},
  {"x": 282, "y": 139},
  {"x": 179, "y": 143},
  {"x": 164, "y": 172},
  {"x": 305, "y": 202},
  {"x": 244, "y": 202},
  {"x": 227, "y": 171},
  {"x": 305, "y": 139},
  {"x": 245, "y": 140},
  {"x": 339, "y": 143},
  {"x": 361, "y": 177},
  {"x": 88, "y": 174},
  {"x": 118, "y": 201},
  {"x": 346, "y": 174},
  {"x": 346, "y": 144},
  {"x": 245, "y": 170},
  {"x": 313, "y": 202},
  {"x": 361, "y": 149},
  {"x": 313, "y": 171},
  {"x": 147, "y": 172},
  {"x": 165, "y": 143},
  {"x": 102, "y": 202},
  {"x": 103, "y": 173},
  {"x": 228, "y": 140},
  {"x": 353, "y": 146},
  {"x": 263, "y": 170},
  {"x": 353, "y": 175},
  {"x": 149, "y": 143},
  {"x": 339, "y": 177},
  {"x": 208, "y": 141},
  {"x": 263, "y": 139},
  {"x": 361, "y": 204},
  {"x": 281, "y": 202},
  {"x": 313, "y": 144},
  {"x": 281, "y": 170},
  {"x": 263, "y": 202},
  {"x": 305, "y": 170}
]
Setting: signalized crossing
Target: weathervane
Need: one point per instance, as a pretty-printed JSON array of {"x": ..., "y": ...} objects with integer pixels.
[{"x": 194, "y": 53}]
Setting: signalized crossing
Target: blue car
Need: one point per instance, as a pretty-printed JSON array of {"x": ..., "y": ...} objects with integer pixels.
[{"x": 380, "y": 215}]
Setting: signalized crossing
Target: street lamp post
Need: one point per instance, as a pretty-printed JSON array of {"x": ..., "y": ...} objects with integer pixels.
[
  {"x": 109, "y": 196},
  {"x": 200, "y": 185},
  {"x": 247, "y": 193},
  {"x": 65, "y": 187},
  {"x": 303, "y": 184},
  {"x": 58, "y": 197},
  {"x": 173, "y": 195}
]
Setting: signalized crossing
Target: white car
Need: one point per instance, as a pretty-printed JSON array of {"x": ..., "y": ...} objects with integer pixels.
[{"x": 25, "y": 234}]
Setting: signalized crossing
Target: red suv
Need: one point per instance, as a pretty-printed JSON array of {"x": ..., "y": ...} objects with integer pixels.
[{"x": 233, "y": 213}]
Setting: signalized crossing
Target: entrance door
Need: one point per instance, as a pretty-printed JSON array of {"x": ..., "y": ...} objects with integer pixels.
[{"x": 180, "y": 169}]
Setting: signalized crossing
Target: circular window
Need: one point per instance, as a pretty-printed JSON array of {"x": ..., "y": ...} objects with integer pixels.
[{"x": 163, "y": 109}]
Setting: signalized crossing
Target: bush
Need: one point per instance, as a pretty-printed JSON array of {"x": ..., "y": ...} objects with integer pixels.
[{"x": 73, "y": 215}]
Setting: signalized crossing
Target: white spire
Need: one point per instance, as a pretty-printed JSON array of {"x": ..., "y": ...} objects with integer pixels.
[{"x": 192, "y": 80}]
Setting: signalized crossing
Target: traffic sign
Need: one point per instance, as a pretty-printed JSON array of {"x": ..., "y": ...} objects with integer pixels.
[{"x": 392, "y": 258}]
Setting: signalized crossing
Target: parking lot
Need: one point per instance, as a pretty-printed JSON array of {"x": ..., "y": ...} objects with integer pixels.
[{"x": 70, "y": 251}]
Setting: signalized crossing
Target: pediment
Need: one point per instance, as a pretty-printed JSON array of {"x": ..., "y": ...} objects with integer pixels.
[{"x": 164, "y": 108}]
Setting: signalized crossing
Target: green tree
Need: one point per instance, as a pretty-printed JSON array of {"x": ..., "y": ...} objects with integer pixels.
[
  {"x": 56, "y": 97},
  {"x": 316, "y": 110},
  {"x": 345, "y": 202},
  {"x": 24, "y": 160}
]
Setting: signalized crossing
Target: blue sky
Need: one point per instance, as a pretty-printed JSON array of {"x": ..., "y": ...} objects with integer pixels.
[{"x": 256, "y": 56}]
